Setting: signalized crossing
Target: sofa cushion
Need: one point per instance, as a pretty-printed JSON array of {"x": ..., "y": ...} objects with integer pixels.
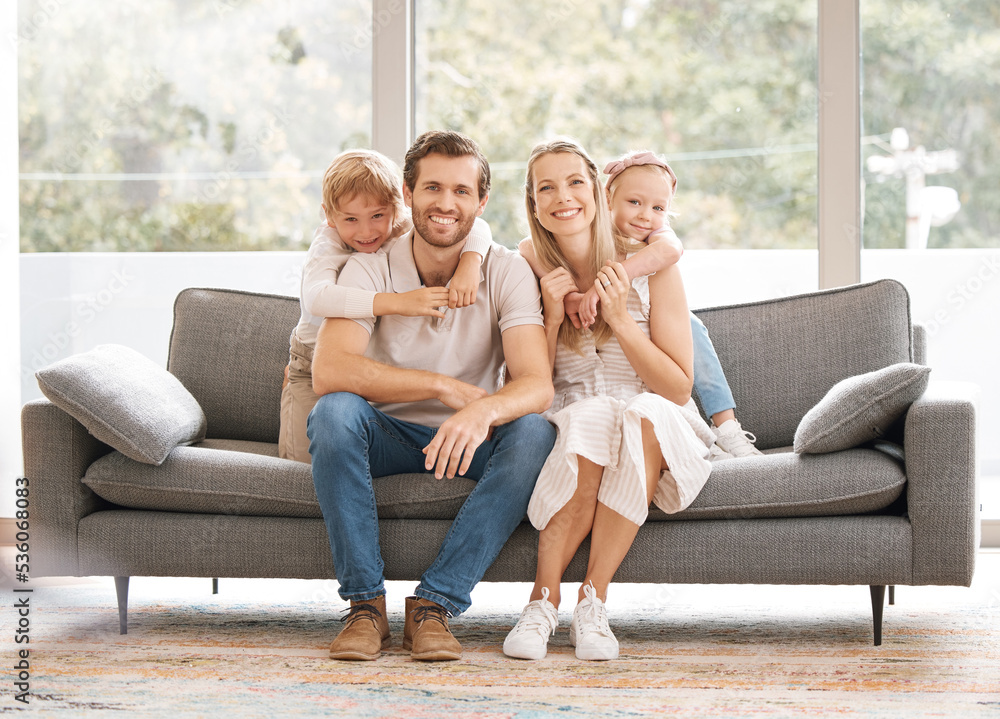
[
  {"x": 247, "y": 478},
  {"x": 860, "y": 409},
  {"x": 125, "y": 400},
  {"x": 785, "y": 484}
]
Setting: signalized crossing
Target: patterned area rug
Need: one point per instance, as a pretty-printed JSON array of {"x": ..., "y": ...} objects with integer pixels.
[{"x": 259, "y": 648}]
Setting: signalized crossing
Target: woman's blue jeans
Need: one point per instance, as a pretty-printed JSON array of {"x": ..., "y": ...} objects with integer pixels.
[
  {"x": 709, "y": 379},
  {"x": 351, "y": 442}
]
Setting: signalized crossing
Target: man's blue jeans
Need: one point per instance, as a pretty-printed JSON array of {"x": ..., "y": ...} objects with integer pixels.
[
  {"x": 709, "y": 378},
  {"x": 351, "y": 442}
]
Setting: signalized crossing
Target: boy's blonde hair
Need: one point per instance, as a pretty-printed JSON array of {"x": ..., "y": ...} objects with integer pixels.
[
  {"x": 606, "y": 242},
  {"x": 367, "y": 173}
]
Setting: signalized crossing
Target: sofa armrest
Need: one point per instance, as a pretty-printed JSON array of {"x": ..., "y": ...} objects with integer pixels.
[
  {"x": 919, "y": 343},
  {"x": 57, "y": 452},
  {"x": 940, "y": 444}
]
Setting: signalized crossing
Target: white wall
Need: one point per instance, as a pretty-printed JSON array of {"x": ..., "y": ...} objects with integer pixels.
[
  {"x": 956, "y": 295},
  {"x": 71, "y": 302},
  {"x": 10, "y": 359}
]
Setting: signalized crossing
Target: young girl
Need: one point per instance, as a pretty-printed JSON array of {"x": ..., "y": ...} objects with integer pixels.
[
  {"x": 364, "y": 210},
  {"x": 639, "y": 192}
]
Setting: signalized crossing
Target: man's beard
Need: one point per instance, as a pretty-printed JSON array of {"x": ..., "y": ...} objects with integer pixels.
[{"x": 430, "y": 231}]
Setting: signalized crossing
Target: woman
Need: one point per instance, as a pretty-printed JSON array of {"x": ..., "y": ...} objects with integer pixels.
[{"x": 628, "y": 431}]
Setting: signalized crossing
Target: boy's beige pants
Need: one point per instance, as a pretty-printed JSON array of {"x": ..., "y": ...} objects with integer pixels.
[{"x": 297, "y": 401}]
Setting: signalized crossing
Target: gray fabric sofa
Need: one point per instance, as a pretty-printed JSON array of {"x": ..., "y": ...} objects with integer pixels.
[{"x": 228, "y": 507}]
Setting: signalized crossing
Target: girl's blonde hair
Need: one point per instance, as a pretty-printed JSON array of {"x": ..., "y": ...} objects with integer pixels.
[
  {"x": 367, "y": 173},
  {"x": 606, "y": 242}
]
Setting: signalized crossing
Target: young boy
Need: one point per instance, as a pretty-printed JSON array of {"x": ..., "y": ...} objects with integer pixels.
[{"x": 364, "y": 210}]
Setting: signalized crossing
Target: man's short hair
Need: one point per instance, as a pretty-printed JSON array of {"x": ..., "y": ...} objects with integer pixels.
[{"x": 445, "y": 142}]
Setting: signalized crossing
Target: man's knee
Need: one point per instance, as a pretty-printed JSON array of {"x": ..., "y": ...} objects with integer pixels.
[
  {"x": 337, "y": 415},
  {"x": 532, "y": 436}
]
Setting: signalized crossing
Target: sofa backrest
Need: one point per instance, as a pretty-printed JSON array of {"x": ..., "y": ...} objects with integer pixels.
[
  {"x": 230, "y": 348},
  {"x": 781, "y": 356}
]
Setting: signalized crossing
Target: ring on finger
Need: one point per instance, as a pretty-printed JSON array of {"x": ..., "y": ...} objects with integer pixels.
[{"x": 605, "y": 281}]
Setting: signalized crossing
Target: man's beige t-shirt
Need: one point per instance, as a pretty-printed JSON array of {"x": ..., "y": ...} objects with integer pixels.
[{"x": 465, "y": 344}]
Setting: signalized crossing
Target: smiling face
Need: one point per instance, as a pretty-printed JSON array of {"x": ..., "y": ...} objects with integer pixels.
[
  {"x": 639, "y": 201},
  {"x": 445, "y": 198},
  {"x": 563, "y": 194},
  {"x": 362, "y": 223}
]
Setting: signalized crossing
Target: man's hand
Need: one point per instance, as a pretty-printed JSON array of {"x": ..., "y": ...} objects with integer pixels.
[{"x": 453, "y": 447}]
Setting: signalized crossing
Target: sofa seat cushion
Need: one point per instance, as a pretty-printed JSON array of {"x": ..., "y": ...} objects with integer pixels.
[
  {"x": 247, "y": 478},
  {"x": 786, "y": 484}
]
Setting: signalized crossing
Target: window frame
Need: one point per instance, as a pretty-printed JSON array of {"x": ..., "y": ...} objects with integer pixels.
[{"x": 838, "y": 104}]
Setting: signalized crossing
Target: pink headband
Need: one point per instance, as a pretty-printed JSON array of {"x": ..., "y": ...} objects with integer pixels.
[{"x": 613, "y": 169}]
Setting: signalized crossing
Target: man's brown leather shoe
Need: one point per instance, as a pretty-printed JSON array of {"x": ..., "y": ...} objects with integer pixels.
[
  {"x": 426, "y": 633},
  {"x": 365, "y": 633}
]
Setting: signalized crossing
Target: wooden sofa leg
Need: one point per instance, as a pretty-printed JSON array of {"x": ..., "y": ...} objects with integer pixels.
[
  {"x": 878, "y": 599},
  {"x": 121, "y": 589},
  {"x": 215, "y": 585},
  {"x": 892, "y": 594}
]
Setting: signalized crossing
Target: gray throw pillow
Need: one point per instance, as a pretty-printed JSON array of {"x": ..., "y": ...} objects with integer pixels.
[
  {"x": 860, "y": 409},
  {"x": 125, "y": 400}
]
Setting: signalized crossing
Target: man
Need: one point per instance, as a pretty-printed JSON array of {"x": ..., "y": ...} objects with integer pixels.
[{"x": 412, "y": 394}]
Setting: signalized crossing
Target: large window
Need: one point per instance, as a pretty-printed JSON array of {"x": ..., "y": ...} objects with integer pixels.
[
  {"x": 931, "y": 115},
  {"x": 185, "y": 124},
  {"x": 727, "y": 90}
]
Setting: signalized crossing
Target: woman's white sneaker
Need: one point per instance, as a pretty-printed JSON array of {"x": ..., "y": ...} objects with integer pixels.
[
  {"x": 589, "y": 631},
  {"x": 529, "y": 639}
]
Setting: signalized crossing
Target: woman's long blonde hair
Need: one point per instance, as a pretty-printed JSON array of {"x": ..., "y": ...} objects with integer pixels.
[{"x": 606, "y": 242}]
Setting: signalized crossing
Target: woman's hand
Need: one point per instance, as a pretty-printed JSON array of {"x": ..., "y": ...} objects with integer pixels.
[
  {"x": 612, "y": 286},
  {"x": 555, "y": 286}
]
